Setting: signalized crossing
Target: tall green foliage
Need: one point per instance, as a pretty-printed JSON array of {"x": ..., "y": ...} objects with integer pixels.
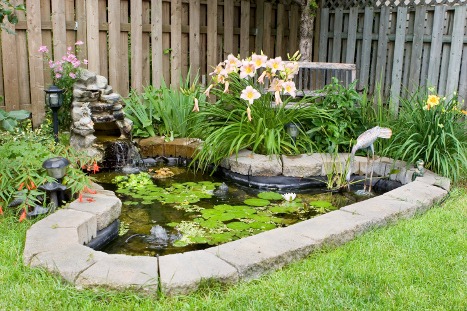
[{"x": 432, "y": 129}]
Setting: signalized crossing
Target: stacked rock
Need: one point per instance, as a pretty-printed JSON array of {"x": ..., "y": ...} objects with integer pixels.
[{"x": 96, "y": 107}]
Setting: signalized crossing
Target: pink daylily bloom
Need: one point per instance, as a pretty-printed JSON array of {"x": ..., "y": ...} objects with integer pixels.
[
  {"x": 275, "y": 64},
  {"x": 206, "y": 92},
  {"x": 289, "y": 88},
  {"x": 232, "y": 61},
  {"x": 196, "y": 107},
  {"x": 259, "y": 60},
  {"x": 247, "y": 70},
  {"x": 248, "y": 113},
  {"x": 250, "y": 94},
  {"x": 226, "y": 88}
]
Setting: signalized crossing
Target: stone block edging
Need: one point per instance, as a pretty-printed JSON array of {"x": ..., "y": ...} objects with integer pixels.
[{"x": 55, "y": 243}]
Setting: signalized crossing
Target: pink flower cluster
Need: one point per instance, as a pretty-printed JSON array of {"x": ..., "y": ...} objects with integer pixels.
[{"x": 69, "y": 63}]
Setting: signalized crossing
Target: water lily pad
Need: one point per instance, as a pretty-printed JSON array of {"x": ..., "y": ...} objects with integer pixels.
[
  {"x": 256, "y": 202},
  {"x": 269, "y": 195},
  {"x": 283, "y": 209},
  {"x": 262, "y": 225},
  {"x": 322, "y": 204},
  {"x": 238, "y": 225}
]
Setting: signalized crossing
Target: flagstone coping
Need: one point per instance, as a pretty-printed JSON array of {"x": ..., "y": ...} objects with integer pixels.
[{"x": 57, "y": 242}]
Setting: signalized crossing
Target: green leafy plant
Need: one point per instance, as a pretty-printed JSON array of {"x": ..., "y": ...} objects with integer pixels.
[
  {"x": 142, "y": 114},
  {"x": 253, "y": 115},
  {"x": 9, "y": 10},
  {"x": 9, "y": 120},
  {"x": 433, "y": 129},
  {"x": 64, "y": 73}
]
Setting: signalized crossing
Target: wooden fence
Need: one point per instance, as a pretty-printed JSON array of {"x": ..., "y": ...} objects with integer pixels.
[
  {"x": 139, "y": 42},
  {"x": 396, "y": 46}
]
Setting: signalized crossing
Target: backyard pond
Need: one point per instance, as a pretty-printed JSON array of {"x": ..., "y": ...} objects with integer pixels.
[{"x": 170, "y": 210}]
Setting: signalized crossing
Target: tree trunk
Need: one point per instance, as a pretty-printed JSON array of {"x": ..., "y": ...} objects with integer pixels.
[{"x": 307, "y": 26}]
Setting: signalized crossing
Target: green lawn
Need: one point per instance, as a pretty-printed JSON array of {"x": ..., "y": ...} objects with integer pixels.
[{"x": 418, "y": 264}]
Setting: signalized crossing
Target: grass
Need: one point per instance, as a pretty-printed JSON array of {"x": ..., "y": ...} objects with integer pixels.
[{"x": 417, "y": 264}]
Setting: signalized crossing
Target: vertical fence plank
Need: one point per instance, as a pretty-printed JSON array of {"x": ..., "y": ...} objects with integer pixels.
[
  {"x": 81, "y": 29},
  {"x": 212, "y": 35},
  {"x": 398, "y": 59},
  {"x": 136, "y": 26},
  {"x": 337, "y": 36},
  {"x": 114, "y": 45},
  {"x": 92, "y": 31},
  {"x": 366, "y": 47},
  {"x": 156, "y": 39},
  {"x": 323, "y": 40},
  {"x": 267, "y": 36},
  {"x": 23, "y": 63},
  {"x": 382, "y": 45},
  {"x": 228, "y": 27},
  {"x": 417, "y": 48},
  {"x": 123, "y": 70},
  {"x": 36, "y": 74},
  {"x": 10, "y": 71},
  {"x": 166, "y": 52},
  {"x": 176, "y": 42},
  {"x": 70, "y": 17},
  {"x": 280, "y": 31},
  {"x": 194, "y": 37},
  {"x": 436, "y": 46},
  {"x": 293, "y": 28},
  {"x": 259, "y": 26},
  {"x": 455, "y": 56},
  {"x": 245, "y": 28},
  {"x": 103, "y": 42},
  {"x": 146, "y": 45},
  {"x": 352, "y": 36},
  {"x": 58, "y": 29},
  {"x": 463, "y": 79}
]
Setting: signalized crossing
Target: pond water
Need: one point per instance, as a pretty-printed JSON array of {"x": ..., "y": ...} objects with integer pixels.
[{"x": 182, "y": 210}]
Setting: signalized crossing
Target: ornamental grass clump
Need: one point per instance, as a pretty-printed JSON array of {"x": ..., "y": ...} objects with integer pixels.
[
  {"x": 255, "y": 102},
  {"x": 431, "y": 128}
]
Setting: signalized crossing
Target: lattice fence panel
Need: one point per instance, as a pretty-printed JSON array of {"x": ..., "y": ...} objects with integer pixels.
[{"x": 347, "y": 4}]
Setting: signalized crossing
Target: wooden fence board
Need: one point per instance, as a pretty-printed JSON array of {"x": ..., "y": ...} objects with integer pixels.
[
  {"x": 58, "y": 29},
  {"x": 443, "y": 71},
  {"x": 323, "y": 40},
  {"x": 146, "y": 44},
  {"x": 398, "y": 59},
  {"x": 417, "y": 48},
  {"x": 211, "y": 35},
  {"x": 351, "y": 36},
  {"x": 267, "y": 35},
  {"x": 455, "y": 57},
  {"x": 366, "y": 47},
  {"x": 81, "y": 29},
  {"x": 228, "y": 27},
  {"x": 123, "y": 70},
  {"x": 70, "y": 16},
  {"x": 245, "y": 29},
  {"x": 381, "y": 55},
  {"x": 136, "y": 20},
  {"x": 23, "y": 64},
  {"x": 166, "y": 52},
  {"x": 436, "y": 46},
  {"x": 156, "y": 38},
  {"x": 463, "y": 79},
  {"x": 92, "y": 22},
  {"x": 259, "y": 26},
  {"x": 293, "y": 27},
  {"x": 278, "y": 51},
  {"x": 194, "y": 37},
  {"x": 114, "y": 45},
  {"x": 337, "y": 38},
  {"x": 176, "y": 42},
  {"x": 36, "y": 75},
  {"x": 10, "y": 71},
  {"x": 103, "y": 44}
]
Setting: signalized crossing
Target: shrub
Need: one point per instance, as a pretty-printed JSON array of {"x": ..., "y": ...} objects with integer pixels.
[{"x": 432, "y": 129}]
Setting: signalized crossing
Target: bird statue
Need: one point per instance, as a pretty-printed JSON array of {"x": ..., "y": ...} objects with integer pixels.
[{"x": 365, "y": 141}]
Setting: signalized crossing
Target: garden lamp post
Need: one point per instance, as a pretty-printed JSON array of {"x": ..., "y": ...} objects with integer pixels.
[
  {"x": 56, "y": 168},
  {"x": 54, "y": 99},
  {"x": 292, "y": 130}
]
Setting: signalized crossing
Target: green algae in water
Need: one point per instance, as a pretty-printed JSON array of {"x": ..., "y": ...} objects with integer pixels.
[{"x": 187, "y": 206}]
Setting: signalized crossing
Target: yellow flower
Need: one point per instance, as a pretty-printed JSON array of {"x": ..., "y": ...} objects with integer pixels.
[{"x": 432, "y": 101}]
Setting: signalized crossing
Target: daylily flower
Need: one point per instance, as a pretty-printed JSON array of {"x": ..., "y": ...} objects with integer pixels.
[
  {"x": 432, "y": 101},
  {"x": 289, "y": 88},
  {"x": 206, "y": 92},
  {"x": 218, "y": 69},
  {"x": 275, "y": 64},
  {"x": 259, "y": 60},
  {"x": 248, "y": 113},
  {"x": 23, "y": 215},
  {"x": 276, "y": 86},
  {"x": 262, "y": 76},
  {"x": 250, "y": 94},
  {"x": 289, "y": 196},
  {"x": 247, "y": 70},
  {"x": 196, "y": 107},
  {"x": 226, "y": 88},
  {"x": 232, "y": 61}
]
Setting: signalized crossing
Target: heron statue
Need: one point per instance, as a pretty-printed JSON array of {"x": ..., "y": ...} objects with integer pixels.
[{"x": 365, "y": 141}]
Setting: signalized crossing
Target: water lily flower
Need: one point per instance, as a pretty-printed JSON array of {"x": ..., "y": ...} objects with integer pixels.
[
  {"x": 247, "y": 70},
  {"x": 290, "y": 196},
  {"x": 250, "y": 94},
  {"x": 259, "y": 60},
  {"x": 196, "y": 107}
]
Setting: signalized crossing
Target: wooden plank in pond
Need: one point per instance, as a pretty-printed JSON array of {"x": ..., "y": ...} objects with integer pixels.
[
  {"x": 455, "y": 56},
  {"x": 398, "y": 59},
  {"x": 245, "y": 28},
  {"x": 194, "y": 38},
  {"x": 175, "y": 42},
  {"x": 382, "y": 50},
  {"x": 136, "y": 20},
  {"x": 259, "y": 25},
  {"x": 417, "y": 46},
  {"x": 280, "y": 30},
  {"x": 337, "y": 38},
  {"x": 211, "y": 35},
  {"x": 436, "y": 46},
  {"x": 366, "y": 47},
  {"x": 156, "y": 39},
  {"x": 92, "y": 34},
  {"x": 352, "y": 36},
  {"x": 36, "y": 62}
]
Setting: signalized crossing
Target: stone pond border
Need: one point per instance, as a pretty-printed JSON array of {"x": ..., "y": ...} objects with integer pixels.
[{"x": 56, "y": 243}]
